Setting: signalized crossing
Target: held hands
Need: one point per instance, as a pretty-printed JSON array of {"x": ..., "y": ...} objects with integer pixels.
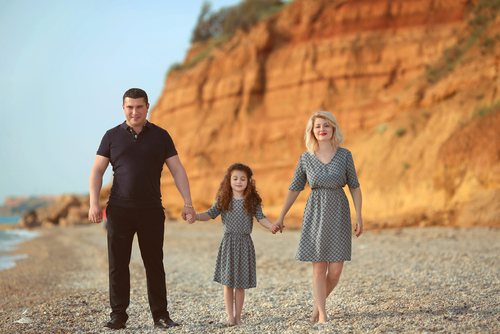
[
  {"x": 190, "y": 218},
  {"x": 278, "y": 225},
  {"x": 274, "y": 228},
  {"x": 188, "y": 214}
]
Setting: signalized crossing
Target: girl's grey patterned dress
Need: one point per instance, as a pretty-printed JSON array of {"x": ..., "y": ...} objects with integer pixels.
[
  {"x": 235, "y": 266},
  {"x": 326, "y": 225}
]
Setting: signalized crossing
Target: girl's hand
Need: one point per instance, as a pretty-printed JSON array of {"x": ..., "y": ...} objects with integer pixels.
[
  {"x": 358, "y": 226},
  {"x": 190, "y": 218}
]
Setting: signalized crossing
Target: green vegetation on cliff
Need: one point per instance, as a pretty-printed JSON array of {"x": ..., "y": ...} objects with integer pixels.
[
  {"x": 222, "y": 25},
  {"x": 481, "y": 16}
]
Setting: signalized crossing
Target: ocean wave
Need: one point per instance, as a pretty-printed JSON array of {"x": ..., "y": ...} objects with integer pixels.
[
  {"x": 10, "y": 238},
  {"x": 7, "y": 262}
]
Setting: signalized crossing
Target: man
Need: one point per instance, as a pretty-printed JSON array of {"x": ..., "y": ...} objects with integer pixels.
[{"x": 137, "y": 150}]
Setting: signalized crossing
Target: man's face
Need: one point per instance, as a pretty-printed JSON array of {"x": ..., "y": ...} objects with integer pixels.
[{"x": 136, "y": 111}]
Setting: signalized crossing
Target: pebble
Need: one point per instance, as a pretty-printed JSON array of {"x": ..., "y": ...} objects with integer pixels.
[{"x": 422, "y": 280}]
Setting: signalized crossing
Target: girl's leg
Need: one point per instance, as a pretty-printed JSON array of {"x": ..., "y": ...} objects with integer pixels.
[
  {"x": 319, "y": 288},
  {"x": 228, "y": 300},
  {"x": 239, "y": 299},
  {"x": 332, "y": 278}
]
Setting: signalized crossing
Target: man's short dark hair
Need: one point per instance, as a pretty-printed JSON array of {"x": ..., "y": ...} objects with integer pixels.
[{"x": 135, "y": 93}]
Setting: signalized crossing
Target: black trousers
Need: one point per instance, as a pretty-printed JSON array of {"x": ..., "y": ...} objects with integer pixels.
[{"x": 123, "y": 224}]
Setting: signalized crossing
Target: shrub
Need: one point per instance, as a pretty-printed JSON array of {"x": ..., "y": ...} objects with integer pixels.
[
  {"x": 229, "y": 19},
  {"x": 485, "y": 110},
  {"x": 400, "y": 132},
  {"x": 381, "y": 128}
]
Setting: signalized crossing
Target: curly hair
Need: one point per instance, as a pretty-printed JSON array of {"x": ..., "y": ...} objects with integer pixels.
[{"x": 224, "y": 195}]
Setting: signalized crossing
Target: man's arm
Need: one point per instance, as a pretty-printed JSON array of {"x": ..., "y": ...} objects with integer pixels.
[
  {"x": 182, "y": 183},
  {"x": 95, "y": 184}
]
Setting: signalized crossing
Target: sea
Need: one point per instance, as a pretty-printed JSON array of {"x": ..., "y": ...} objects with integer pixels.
[{"x": 9, "y": 239}]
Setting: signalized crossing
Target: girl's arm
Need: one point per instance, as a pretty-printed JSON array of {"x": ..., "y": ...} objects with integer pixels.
[
  {"x": 200, "y": 216},
  {"x": 357, "y": 200},
  {"x": 268, "y": 224},
  {"x": 291, "y": 196}
]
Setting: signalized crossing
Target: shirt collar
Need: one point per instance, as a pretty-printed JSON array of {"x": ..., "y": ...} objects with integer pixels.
[{"x": 124, "y": 125}]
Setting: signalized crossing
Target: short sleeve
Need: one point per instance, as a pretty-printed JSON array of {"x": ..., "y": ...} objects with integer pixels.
[
  {"x": 352, "y": 177},
  {"x": 104, "y": 147},
  {"x": 299, "y": 178},
  {"x": 213, "y": 212},
  {"x": 170, "y": 150},
  {"x": 258, "y": 213}
]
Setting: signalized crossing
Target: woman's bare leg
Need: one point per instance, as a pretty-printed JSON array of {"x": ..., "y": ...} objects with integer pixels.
[
  {"x": 332, "y": 279},
  {"x": 228, "y": 300},
  {"x": 319, "y": 288},
  {"x": 239, "y": 299}
]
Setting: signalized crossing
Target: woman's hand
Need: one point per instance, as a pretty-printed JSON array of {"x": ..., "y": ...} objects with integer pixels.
[
  {"x": 274, "y": 228},
  {"x": 358, "y": 226},
  {"x": 279, "y": 224}
]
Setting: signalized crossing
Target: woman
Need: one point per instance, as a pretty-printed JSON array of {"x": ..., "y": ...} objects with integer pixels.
[{"x": 326, "y": 228}]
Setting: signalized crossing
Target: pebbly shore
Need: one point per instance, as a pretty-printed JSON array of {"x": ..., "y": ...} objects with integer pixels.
[{"x": 414, "y": 280}]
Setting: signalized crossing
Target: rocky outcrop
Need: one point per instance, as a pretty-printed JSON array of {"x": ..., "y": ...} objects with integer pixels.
[
  {"x": 422, "y": 157},
  {"x": 67, "y": 210}
]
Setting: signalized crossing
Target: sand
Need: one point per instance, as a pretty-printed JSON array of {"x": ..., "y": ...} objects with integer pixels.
[{"x": 405, "y": 280}]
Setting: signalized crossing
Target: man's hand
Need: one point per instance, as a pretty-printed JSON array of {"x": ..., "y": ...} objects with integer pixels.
[{"x": 95, "y": 214}]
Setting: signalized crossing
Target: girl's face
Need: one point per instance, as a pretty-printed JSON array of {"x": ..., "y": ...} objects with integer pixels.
[
  {"x": 239, "y": 182},
  {"x": 322, "y": 130}
]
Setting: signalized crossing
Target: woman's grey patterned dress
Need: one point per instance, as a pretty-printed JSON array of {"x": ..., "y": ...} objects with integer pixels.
[
  {"x": 326, "y": 225},
  {"x": 235, "y": 266}
]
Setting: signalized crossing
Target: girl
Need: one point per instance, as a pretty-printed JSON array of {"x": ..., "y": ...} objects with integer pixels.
[
  {"x": 237, "y": 202},
  {"x": 326, "y": 228}
]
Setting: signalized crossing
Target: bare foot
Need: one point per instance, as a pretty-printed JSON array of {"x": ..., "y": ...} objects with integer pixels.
[
  {"x": 315, "y": 315},
  {"x": 323, "y": 320},
  {"x": 230, "y": 321},
  {"x": 237, "y": 321}
]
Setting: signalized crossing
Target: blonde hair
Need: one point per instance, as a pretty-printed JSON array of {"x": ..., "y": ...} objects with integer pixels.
[{"x": 311, "y": 141}]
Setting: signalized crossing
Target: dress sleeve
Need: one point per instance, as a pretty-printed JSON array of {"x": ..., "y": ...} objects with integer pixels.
[
  {"x": 352, "y": 177},
  {"x": 213, "y": 212},
  {"x": 299, "y": 178},
  {"x": 259, "y": 214}
]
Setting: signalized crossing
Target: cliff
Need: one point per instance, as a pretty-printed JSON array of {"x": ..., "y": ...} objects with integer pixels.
[{"x": 413, "y": 84}]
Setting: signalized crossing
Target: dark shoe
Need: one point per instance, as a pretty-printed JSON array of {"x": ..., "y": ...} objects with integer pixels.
[
  {"x": 115, "y": 323},
  {"x": 165, "y": 323}
]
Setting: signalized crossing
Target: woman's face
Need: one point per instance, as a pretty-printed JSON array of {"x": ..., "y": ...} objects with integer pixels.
[
  {"x": 322, "y": 130},
  {"x": 239, "y": 182}
]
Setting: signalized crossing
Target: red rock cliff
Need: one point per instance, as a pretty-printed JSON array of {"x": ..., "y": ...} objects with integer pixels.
[{"x": 422, "y": 158}]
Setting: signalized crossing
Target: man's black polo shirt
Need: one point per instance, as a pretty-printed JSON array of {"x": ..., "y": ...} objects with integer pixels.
[{"x": 137, "y": 162}]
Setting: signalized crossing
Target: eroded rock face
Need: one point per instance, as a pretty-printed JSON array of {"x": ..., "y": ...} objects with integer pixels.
[
  {"x": 67, "y": 210},
  {"x": 366, "y": 62}
]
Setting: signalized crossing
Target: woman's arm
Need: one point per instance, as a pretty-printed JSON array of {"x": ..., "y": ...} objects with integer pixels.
[
  {"x": 290, "y": 198},
  {"x": 357, "y": 199}
]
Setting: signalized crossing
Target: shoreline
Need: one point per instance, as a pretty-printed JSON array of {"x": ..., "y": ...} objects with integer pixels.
[
  {"x": 4, "y": 227},
  {"x": 442, "y": 279}
]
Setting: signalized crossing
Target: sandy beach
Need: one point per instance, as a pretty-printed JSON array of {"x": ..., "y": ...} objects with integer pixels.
[{"x": 405, "y": 280}]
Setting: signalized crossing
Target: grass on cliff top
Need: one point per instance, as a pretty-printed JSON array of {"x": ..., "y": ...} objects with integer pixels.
[
  {"x": 482, "y": 15},
  {"x": 222, "y": 25}
]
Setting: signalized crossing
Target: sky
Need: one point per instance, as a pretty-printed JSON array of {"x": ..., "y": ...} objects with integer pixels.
[{"x": 63, "y": 71}]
